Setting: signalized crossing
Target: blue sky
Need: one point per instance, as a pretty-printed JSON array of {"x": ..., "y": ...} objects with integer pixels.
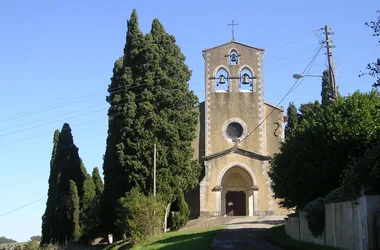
[{"x": 63, "y": 52}]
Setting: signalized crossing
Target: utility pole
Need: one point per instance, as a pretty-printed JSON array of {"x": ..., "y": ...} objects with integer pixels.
[
  {"x": 154, "y": 171},
  {"x": 329, "y": 47}
]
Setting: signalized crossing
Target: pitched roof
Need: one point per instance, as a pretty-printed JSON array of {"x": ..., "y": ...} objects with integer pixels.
[
  {"x": 233, "y": 41},
  {"x": 239, "y": 151}
]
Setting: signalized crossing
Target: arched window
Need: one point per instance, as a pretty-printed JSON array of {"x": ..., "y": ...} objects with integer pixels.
[
  {"x": 221, "y": 81},
  {"x": 247, "y": 81},
  {"x": 234, "y": 57}
]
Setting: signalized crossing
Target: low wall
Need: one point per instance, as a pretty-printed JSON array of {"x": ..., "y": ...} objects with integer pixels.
[{"x": 348, "y": 225}]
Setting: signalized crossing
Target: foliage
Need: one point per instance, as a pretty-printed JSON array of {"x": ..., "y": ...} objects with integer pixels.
[
  {"x": 72, "y": 228},
  {"x": 94, "y": 210},
  {"x": 326, "y": 91},
  {"x": 313, "y": 159},
  {"x": 292, "y": 120},
  {"x": 31, "y": 245},
  {"x": 278, "y": 237},
  {"x": 6, "y": 240},
  {"x": 374, "y": 67},
  {"x": 181, "y": 215},
  {"x": 315, "y": 216},
  {"x": 364, "y": 171},
  {"x": 139, "y": 216},
  {"x": 153, "y": 106},
  {"x": 35, "y": 238},
  {"x": 49, "y": 218},
  {"x": 60, "y": 222}
]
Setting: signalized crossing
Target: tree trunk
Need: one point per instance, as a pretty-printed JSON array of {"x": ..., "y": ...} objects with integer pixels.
[{"x": 167, "y": 210}]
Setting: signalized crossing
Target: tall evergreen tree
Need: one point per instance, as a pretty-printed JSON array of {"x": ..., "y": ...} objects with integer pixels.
[
  {"x": 48, "y": 219},
  {"x": 292, "y": 120},
  {"x": 176, "y": 118},
  {"x": 121, "y": 115},
  {"x": 66, "y": 165},
  {"x": 71, "y": 223},
  {"x": 99, "y": 186},
  {"x": 326, "y": 92},
  {"x": 94, "y": 211},
  {"x": 153, "y": 69}
]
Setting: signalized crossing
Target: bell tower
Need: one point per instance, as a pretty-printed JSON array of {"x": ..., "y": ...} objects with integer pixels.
[
  {"x": 240, "y": 133},
  {"x": 234, "y": 103}
]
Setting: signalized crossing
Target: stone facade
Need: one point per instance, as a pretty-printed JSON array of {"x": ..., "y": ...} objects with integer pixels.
[{"x": 233, "y": 143}]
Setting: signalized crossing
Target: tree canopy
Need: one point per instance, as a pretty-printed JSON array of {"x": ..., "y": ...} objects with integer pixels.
[
  {"x": 71, "y": 192},
  {"x": 373, "y": 69},
  {"x": 322, "y": 146},
  {"x": 150, "y": 103}
]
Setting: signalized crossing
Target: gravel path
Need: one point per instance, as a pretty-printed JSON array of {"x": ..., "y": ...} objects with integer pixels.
[{"x": 246, "y": 233}]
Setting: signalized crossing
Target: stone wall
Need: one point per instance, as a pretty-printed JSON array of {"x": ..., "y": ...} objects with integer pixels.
[{"x": 348, "y": 225}]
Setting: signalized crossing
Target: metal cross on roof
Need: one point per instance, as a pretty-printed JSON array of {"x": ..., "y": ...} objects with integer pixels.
[{"x": 233, "y": 29}]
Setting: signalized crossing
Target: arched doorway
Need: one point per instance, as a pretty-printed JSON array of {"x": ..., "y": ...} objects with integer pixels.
[{"x": 237, "y": 194}]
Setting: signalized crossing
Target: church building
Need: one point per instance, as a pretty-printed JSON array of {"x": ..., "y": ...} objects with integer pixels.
[{"x": 237, "y": 134}]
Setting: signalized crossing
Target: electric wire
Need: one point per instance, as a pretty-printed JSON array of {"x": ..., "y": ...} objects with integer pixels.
[
  {"x": 289, "y": 91},
  {"x": 100, "y": 93},
  {"x": 14, "y": 210}
]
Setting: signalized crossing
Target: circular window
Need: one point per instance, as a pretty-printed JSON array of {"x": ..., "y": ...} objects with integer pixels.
[{"x": 234, "y": 130}]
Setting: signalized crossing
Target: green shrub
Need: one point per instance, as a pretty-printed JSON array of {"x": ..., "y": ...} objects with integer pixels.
[
  {"x": 180, "y": 217},
  {"x": 315, "y": 216},
  {"x": 138, "y": 216}
]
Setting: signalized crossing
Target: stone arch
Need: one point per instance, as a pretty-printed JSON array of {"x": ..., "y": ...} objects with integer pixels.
[
  {"x": 236, "y": 164},
  {"x": 215, "y": 74},
  {"x": 250, "y": 195},
  {"x": 246, "y": 69},
  {"x": 233, "y": 50}
]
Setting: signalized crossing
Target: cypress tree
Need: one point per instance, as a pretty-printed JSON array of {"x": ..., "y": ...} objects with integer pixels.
[
  {"x": 326, "y": 87},
  {"x": 292, "y": 120},
  {"x": 121, "y": 115},
  {"x": 94, "y": 211},
  {"x": 73, "y": 232},
  {"x": 99, "y": 186},
  {"x": 66, "y": 166},
  {"x": 153, "y": 69},
  {"x": 48, "y": 219},
  {"x": 176, "y": 118}
]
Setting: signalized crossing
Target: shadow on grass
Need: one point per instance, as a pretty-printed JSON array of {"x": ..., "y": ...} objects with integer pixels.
[{"x": 182, "y": 241}]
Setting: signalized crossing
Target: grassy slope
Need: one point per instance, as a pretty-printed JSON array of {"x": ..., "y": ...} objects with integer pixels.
[
  {"x": 182, "y": 240},
  {"x": 200, "y": 239},
  {"x": 277, "y": 236}
]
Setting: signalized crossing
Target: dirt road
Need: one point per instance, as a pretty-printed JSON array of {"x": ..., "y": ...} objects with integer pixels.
[{"x": 246, "y": 233}]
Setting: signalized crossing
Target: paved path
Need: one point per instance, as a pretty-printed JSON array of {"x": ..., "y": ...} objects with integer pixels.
[{"x": 246, "y": 233}]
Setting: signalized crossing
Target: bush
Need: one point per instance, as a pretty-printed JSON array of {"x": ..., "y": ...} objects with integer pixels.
[
  {"x": 180, "y": 217},
  {"x": 138, "y": 216},
  {"x": 315, "y": 216}
]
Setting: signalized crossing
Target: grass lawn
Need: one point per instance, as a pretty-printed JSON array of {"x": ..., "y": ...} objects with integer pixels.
[
  {"x": 277, "y": 236},
  {"x": 182, "y": 240}
]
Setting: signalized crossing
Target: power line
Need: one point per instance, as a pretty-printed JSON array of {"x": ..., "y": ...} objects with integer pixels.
[
  {"x": 80, "y": 124},
  {"x": 14, "y": 210},
  {"x": 34, "y": 122},
  {"x": 289, "y": 91},
  {"x": 93, "y": 95}
]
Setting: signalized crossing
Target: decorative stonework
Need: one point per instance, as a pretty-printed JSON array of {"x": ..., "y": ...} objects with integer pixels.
[
  {"x": 260, "y": 93},
  {"x": 225, "y": 125},
  {"x": 207, "y": 105}
]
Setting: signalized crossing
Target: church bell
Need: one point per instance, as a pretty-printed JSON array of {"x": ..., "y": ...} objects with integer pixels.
[
  {"x": 233, "y": 57},
  {"x": 222, "y": 79},
  {"x": 245, "y": 79}
]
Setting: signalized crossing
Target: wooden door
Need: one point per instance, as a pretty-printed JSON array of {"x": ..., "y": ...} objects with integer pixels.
[{"x": 235, "y": 203}]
